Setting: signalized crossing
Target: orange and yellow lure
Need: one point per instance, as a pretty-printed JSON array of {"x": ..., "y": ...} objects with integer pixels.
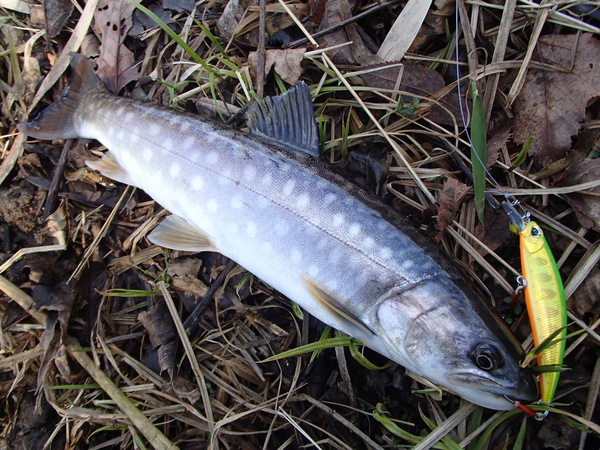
[
  {"x": 546, "y": 304},
  {"x": 545, "y": 299}
]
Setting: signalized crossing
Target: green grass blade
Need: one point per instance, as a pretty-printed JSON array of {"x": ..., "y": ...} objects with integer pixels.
[
  {"x": 478, "y": 151},
  {"x": 313, "y": 347},
  {"x": 172, "y": 34}
]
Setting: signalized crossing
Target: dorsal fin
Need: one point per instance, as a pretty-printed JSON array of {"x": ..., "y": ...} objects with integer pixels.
[
  {"x": 287, "y": 120},
  {"x": 56, "y": 121}
]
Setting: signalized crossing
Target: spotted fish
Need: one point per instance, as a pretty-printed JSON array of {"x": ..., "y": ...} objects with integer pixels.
[{"x": 264, "y": 199}]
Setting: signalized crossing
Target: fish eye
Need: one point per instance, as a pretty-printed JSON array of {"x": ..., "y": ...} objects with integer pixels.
[
  {"x": 536, "y": 232},
  {"x": 487, "y": 357}
]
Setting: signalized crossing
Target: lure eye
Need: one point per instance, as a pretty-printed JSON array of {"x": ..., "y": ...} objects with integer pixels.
[
  {"x": 536, "y": 232},
  {"x": 487, "y": 357}
]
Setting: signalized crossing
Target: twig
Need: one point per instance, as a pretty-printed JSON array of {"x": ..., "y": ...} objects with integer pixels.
[
  {"x": 337, "y": 26},
  {"x": 260, "y": 52},
  {"x": 191, "y": 322},
  {"x": 57, "y": 177}
]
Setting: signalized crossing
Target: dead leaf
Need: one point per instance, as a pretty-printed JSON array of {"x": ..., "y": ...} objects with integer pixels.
[
  {"x": 116, "y": 65},
  {"x": 179, "y": 5},
  {"x": 337, "y": 11},
  {"x": 587, "y": 207},
  {"x": 586, "y": 299},
  {"x": 418, "y": 80},
  {"x": 451, "y": 196},
  {"x": 287, "y": 63},
  {"x": 498, "y": 138},
  {"x": 162, "y": 334},
  {"x": 551, "y": 105},
  {"x": 434, "y": 25},
  {"x": 57, "y": 12}
]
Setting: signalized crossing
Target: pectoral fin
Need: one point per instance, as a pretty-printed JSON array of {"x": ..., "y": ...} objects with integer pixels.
[
  {"x": 178, "y": 234},
  {"x": 327, "y": 301},
  {"x": 110, "y": 167}
]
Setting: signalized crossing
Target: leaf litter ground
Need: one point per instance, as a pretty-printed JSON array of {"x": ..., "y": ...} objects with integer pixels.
[{"x": 174, "y": 344}]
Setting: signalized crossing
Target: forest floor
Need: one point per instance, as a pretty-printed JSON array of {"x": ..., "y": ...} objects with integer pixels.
[{"x": 108, "y": 341}]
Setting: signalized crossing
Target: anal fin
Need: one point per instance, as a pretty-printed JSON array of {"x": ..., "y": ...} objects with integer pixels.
[
  {"x": 110, "y": 167},
  {"x": 178, "y": 234},
  {"x": 327, "y": 301}
]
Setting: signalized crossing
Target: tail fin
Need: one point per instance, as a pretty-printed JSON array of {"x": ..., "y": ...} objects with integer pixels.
[{"x": 56, "y": 121}]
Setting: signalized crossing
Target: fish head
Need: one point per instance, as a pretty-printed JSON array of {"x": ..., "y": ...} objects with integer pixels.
[{"x": 441, "y": 334}]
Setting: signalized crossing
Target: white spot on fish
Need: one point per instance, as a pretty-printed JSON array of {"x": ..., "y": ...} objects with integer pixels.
[
  {"x": 251, "y": 229},
  {"x": 197, "y": 183},
  {"x": 338, "y": 219},
  {"x": 295, "y": 256},
  {"x": 334, "y": 256},
  {"x": 147, "y": 154},
  {"x": 386, "y": 253},
  {"x": 225, "y": 179},
  {"x": 249, "y": 173},
  {"x": 232, "y": 228},
  {"x": 184, "y": 125},
  {"x": 267, "y": 179},
  {"x": 281, "y": 227},
  {"x": 332, "y": 285},
  {"x": 212, "y": 158},
  {"x": 354, "y": 230},
  {"x": 128, "y": 117},
  {"x": 262, "y": 202},
  {"x": 303, "y": 200},
  {"x": 110, "y": 132},
  {"x": 329, "y": 199},
  {"x": 174, "y": 170},
  {"x": 212, "y": 205},
  {"x": 288, "y": 188},
  {"x": 120, "y": 135},
  {"x": 237, "y": 202},
  {"x": 368, "y": 242},
  {"x": 313, "y": 270},
  {"x": 133, "y": 138},
  {"x": 168, "y": 144},
  {"x": 188, "y": 143},
  {"x": 322, "y": 244},
  {"x": 154, "y": 129},
  {"x": 267, "y": 247}
]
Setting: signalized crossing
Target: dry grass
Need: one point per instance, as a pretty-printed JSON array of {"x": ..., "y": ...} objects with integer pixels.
[{"x": 217, "y": 391}]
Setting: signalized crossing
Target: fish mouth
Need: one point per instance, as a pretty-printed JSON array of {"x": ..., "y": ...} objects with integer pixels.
[{"x": 523, "y": 390}]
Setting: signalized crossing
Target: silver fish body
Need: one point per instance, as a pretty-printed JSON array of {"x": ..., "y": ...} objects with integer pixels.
[{"x": 339, "y": 253}]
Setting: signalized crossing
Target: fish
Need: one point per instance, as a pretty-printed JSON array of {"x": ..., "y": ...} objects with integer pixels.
[{"x": 264, "y": 199}]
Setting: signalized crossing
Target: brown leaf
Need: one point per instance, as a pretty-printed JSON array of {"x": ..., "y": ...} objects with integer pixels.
[
  {"x": 498, "y": 138},
  {"x": 57, "y": 12},
  {"x": 586, "y": 298},
  {"x": 418, "y": 80},
  {"x": 551, "y": 105},
  {"x": 116, "y": 65},
  {"x": 449, "y": 200},
  {"x": 587, "y": 207},
  {"x": 287, "y": 63},
  {"x": 357, "y": 52},
  {"x": 162, "y": 334}
]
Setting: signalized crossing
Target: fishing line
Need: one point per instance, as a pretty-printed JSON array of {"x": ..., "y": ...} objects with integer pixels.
[
  {"x": 541, "y": 297},
  {"x": 508, "y": 197}
]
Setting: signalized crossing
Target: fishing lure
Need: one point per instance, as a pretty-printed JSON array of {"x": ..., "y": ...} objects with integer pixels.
[{"x": 544, "y": 296}]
